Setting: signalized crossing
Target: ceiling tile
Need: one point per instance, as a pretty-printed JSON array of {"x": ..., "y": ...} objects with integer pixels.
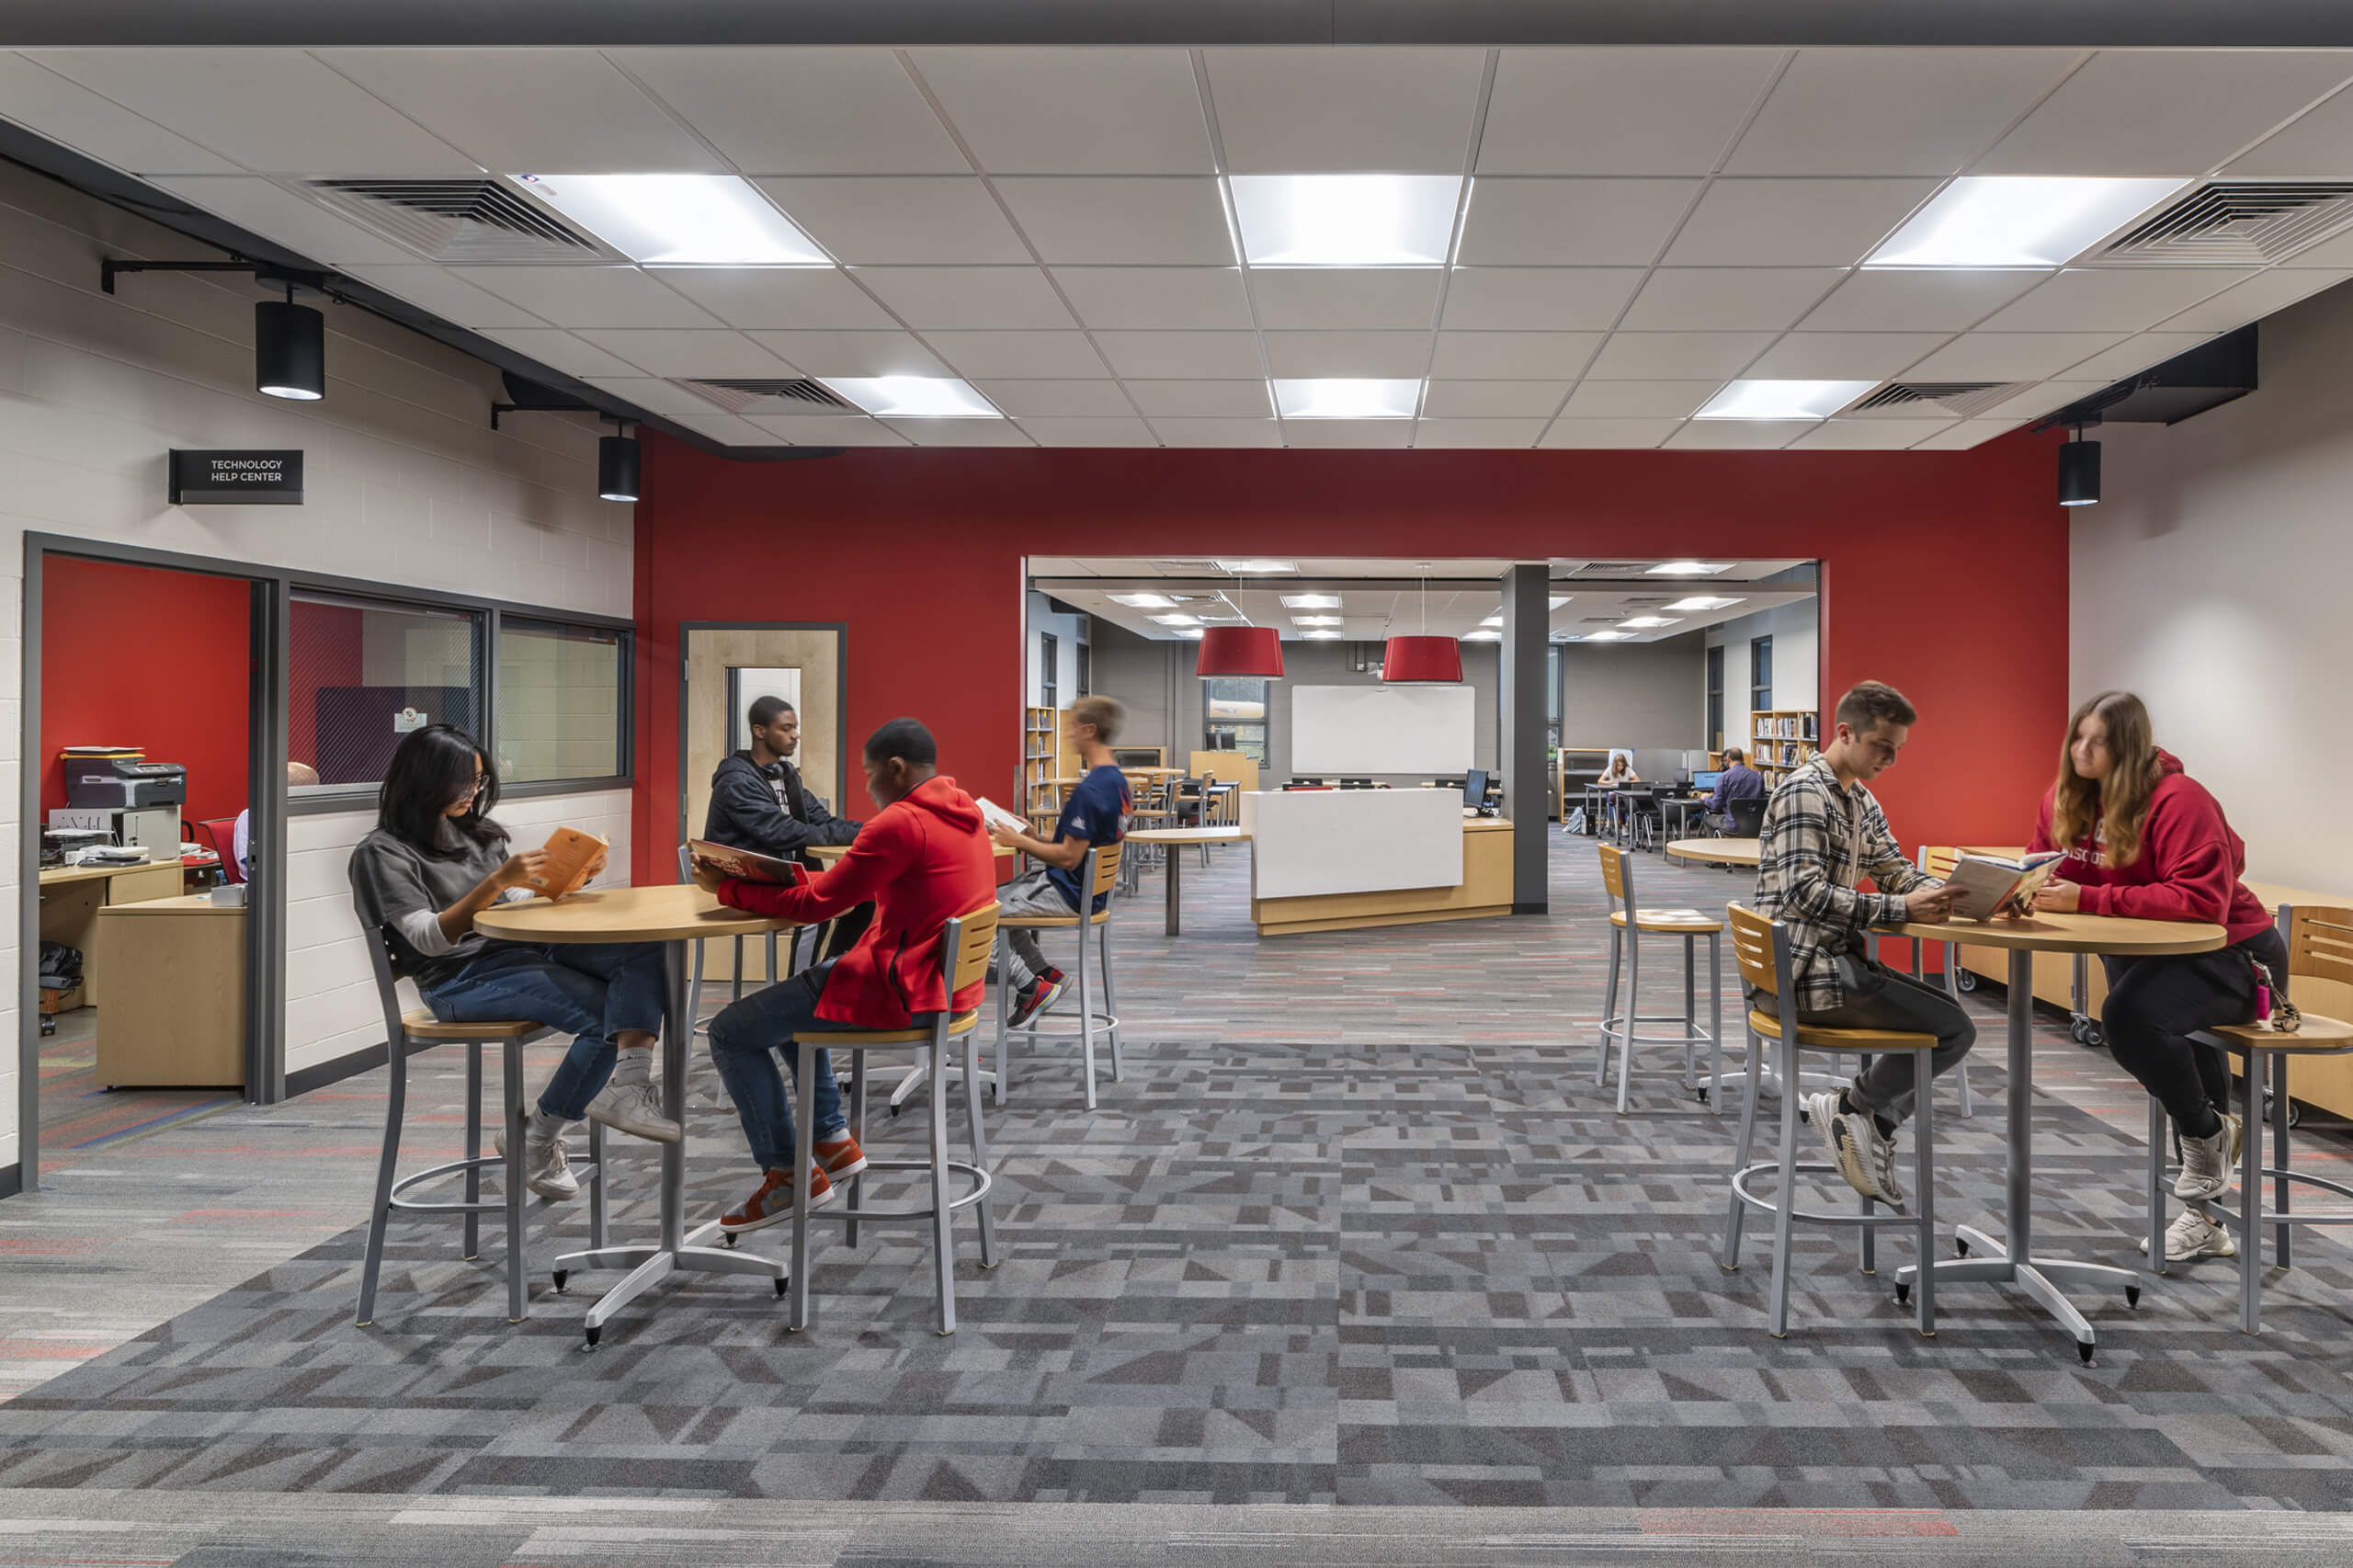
[
  {"x": 1394, "y": 432},
  {"x": 2156, "y": 113},
  {"x": 1594, "y": 432},
  {"x": 998, "y": 298},
  {"x": 1618, "y": 111},
  {"x": 1201, "y": 400},
  {"x": 1382, "y": 110},
  {"x": 801, "y": 112},
  {"x": 1324, "y": 298},
  {"x": 1637, "y": 400},
  {"x": 563, "y": 351},
  {"x": 1739, "y": 435},
  {"x": 1021, "y": 355},
  {"x": 1507, "y": 356},
  {"x": 1218, "y": 432},
  {"x": 1097, "y": 432},
  {"x": 1893, "y": 111},
  {"x": 549, "y": 111},
  {"x": 589, "y": 296},
  {"x": 1444, "y": 434},
  {"x": 913, "y": 219},
  {"x": 1163, "y": 298},
  {"x": 2009, "y": 355},
  {"x": 1727, "y": 298},
  {"x": 278, "y": 214},
  {"x": 816, "y": 297},
  {"x": 71, "y": 116},
  {"x": 2115, "y": 299},
  {"x": 2337, "y": 252},
  {"x": 2317, "y": 146},
  {"x": 1907, "y": 300},
  {"x": 1374, "y": 354},
  {"x": 1560, "y": 299},
  {"x": 1670, "y": 356},
  {"x": 1182, "y": 356},
  {"x": 2043, "y": 397},
  {"x": 2257, "y": 297},
  {"x": 1492, "y": 400},
  {"x": 836, "y": 431},
  {"x": 1142, "y": 222},
  {"x": 452, "y": 299},
  {"x": 652, "y": 394},
  {"x": 726, "y": 428},
  {"x": 311, "y": 120},
  {"x": 1844, "y": 355},
  {"x": 1863, "y": 435},
  {"x": 1794, "y": 222},
  {"x": 2134, "y": 353},
  {"x": 1572, "y": 222},
  {"x": 1030, "y": 399},
  {"x": 704, "y": 355},
  {"x": 1967, "y": 434},
  {"x": 1073, "y": 111},
  {"x": 961, "y": 432},
  {"x": 852, "y": 353}
]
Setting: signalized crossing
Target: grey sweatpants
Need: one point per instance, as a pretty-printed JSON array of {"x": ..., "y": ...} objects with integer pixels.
[{"x": 1032, "y": 893}]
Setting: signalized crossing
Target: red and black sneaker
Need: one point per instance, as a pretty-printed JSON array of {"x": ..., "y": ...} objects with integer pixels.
[{"x": 1042, "y": 993}]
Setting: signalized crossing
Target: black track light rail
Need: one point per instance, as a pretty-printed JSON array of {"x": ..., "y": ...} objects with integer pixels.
[{"x": 111, "y": 267}]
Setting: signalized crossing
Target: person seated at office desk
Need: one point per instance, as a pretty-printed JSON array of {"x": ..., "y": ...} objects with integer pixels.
[
  {"x": 1620, "y": 771},
  {"x": 1097, "y": 812},
  {"x": 435, "y": 860},
  {"x": 759, "y": 802},
  {"x": 299, "y": 774},
  {"x": 921, "y": 861},
  {"x": 1738, "y": 782}
]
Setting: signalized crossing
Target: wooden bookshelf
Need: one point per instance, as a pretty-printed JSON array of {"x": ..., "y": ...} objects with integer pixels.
[
  {"x": 1782, "y": 740},
  {"x": 1042, "y": 746}
]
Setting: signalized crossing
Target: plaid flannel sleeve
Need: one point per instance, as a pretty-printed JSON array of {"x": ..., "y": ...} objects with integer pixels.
[
  {"x": 1883, "y": 862},
  {"x": 1802, "y": 856}
]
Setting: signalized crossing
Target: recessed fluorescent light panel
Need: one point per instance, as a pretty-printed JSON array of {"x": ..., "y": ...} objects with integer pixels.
[
  {"x": 1701, "y": 601},
  {"x": 1647, "y": 622},
  {"x": 913, "y": 397},
  {"x": 1315, "y": 621},
  {"x": 2018, "y": 220},
  {"x": 1560, "y": 600},
  {"x": 1145, "y": 601},
  {"x": 1192, "y": 632},
  {"x": 1342, "y": 397},
  {"x": 1311, "y": 601},
  {"x": 1345, "y": 220},
  {"x": 1179, "y": 619},
  {"x": 1688, "y": 568},
  {"x": 1782, "y": 400},
  {"x": 1323, "y": 637},
  {"x": 1482, "y": 637},
  {"x": 679, "y": 220},
  {"x": 1493, "y": 621},
  {"x": 1604, "y": 637},
  {"x": 1256, "y": 568}
]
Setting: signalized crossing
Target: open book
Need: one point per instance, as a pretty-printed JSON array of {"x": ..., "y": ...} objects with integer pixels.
[
  {"x": 746, "y": 865},
  {"x": 995, "y": 815},
  {"x": 571, "y": 853},
  {"x": 1990, "y": 884}
]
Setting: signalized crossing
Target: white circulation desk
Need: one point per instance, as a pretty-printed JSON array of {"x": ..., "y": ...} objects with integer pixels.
[{"x": 1344, "y": 859}]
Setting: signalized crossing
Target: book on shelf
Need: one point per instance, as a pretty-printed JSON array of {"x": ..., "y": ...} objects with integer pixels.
[
  {"x": 1990, "y": 884},
  {"x": 572, "y": 857}
]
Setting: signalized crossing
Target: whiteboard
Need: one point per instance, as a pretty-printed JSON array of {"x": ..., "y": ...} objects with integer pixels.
[{"x": 1360, "y": 730}]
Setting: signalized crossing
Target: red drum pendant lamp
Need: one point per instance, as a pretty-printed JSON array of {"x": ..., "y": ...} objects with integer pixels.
[
  {"x": 1422, "y": 660},
  {"x": 1247, "y": 650}
]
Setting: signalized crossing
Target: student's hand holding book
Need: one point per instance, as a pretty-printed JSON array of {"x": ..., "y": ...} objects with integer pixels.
[
  {"x": 525, "y": 869},
  {"x": 1931, "y": 905}
]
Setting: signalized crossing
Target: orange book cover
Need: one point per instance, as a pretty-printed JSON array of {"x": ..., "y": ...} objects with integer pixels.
[{"x": 572, "y": 855}]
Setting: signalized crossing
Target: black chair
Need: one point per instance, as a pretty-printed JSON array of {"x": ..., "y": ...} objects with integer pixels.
[{"x": 1747, "y": 818}]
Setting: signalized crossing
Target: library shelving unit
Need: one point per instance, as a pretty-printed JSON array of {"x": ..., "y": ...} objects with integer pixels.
[
  {"x": 1578, "y": 763},
  {"x": 1041, "y": 740},
  {"x": 1782, "y": 739}
]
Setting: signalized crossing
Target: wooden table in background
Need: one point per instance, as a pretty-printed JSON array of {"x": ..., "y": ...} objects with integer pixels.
[
  {"x": 70, "y": 897},
  {"x": 182, "y": 1022},
  {"x": 2013, "y": 1260},
  {"x": 1716, "y": 851},
  {"x": 676, "y": 917},
  {"x": 1173, "y": 838}
]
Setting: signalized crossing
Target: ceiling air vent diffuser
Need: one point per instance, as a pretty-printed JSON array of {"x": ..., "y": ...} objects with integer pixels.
[
  {"x": 1612, "y": 569},
  {"x": 458, "y": 220},
  {"x": 763, "y": 396},
  {"x": 1958, "y": 399},
  {"x": 2240, "y": 224}
]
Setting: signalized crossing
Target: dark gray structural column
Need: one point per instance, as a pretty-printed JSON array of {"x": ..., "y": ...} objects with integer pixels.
[{"x": 1528, "y": 618}]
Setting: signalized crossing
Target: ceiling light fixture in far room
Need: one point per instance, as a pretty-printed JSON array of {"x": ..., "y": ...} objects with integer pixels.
[
  {"x": 1703, "y": 601},
  {"x": 1143, "y": 601},
  {"x": 1192, "y": 632},
  {"x": 1648, "y": 622},
  {"x": 2018, "y": 221},
  {"x": 1346, "y": 397},
  {"x": 1687, "y": 568},
  {"x": 1496, "y": 619},
  {"x": 1345, "y": 220},
  {"x": 2079, "y": 472},
  {"x": 1249, "y": 652},
  {"x": 1311, "y": 601},
  {"x": 913, "y": 397},
  {"x": 1782, "y": 400},
  {"x": 1252, "y": 567},
  {"x": 289, "y": 350},
  {"x": 1560, "y": 600},
  {"x": 1604, "y": 637},
  {"x": 617, "y": 465},
  {"x": 1322, "y": 636},
  {"x": 1316, "y": 620},
  {"x": 1422, "y": 660},
  {"x": 1176, "y": 620},
  {"x": 1483, "y": 636},
  {"x": 679, "y": 220}
]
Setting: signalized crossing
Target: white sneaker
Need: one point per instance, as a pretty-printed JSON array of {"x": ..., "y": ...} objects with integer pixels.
[
  {"x": 2195, "y": 1236},
  {"x": 636, "y": 1109},
  {"x": 1862, "y": 1156},
  {"x": 547, "y": 1169},
  {"x": 2205, "y": 1162}
]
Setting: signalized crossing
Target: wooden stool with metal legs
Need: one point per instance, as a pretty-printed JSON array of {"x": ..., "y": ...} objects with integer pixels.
[
  {"x": 1629, "y": 923},
  {"x": 964, "y": 946},
  {"x": 1761, "y": 947},
  {"x": 697, "y": 1024},
  {"x": 2320, "y": 947},
  {"x": 1099, "y": 869},
  {"x": 417, "y": 1029},
  {"x": 1937, "y": 861}
]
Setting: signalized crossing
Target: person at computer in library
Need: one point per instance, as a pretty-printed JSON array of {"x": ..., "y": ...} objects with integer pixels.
[
  {"x": 1737, "y": 782},
  {"x": 1096, "y": 812},
  {"x": 1824, "y": 833},
  {"x": 760, "y": 801},
  {"x": 1620, "y": 771}
]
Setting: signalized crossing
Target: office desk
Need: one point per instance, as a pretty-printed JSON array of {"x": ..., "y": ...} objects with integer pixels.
[
  {"x": 183, "y": 1021},
  {"x": 70, "y": 897},
  {"x": 1347, "y": 860}
]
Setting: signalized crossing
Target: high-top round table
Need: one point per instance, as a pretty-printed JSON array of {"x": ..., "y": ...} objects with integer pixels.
[
  {"x": 676, "y": 916},
  {"x": 2014, "y": 1260},
  {"x": 1175, "y": 837},
  {"x": 1716, "y": 851}
]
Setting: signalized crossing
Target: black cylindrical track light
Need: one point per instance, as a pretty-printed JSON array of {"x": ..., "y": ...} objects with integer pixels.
[
  {"x": 2079, "y": 473},
  {"x": 617, "y": 468},
  {"x": 289, "y": 350}
]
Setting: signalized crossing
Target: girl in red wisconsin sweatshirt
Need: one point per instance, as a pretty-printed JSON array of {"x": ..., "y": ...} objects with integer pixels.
[{"x": 2144, "y": 840}]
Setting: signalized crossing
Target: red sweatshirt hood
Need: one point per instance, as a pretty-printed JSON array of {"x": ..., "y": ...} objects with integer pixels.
[
  {"x": 2167, "y": 764},
  {"x": 940, "y": 796}
]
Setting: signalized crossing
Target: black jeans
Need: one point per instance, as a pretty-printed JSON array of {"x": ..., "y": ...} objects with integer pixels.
[
  {"x": 1910, "y": 1007},
  {"x": 2154, "y": 1005}
]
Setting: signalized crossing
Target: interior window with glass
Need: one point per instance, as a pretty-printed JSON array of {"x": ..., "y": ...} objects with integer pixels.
[
  {"x": 1235, "y": 716},
  {"x": 362, "y": 673},
  {"x": 1716, "y": 698},
  {"x": 559, "y": 701},
  {"x": 1760, "y": 672}
]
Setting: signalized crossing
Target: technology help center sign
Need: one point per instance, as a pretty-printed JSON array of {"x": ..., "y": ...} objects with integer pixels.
[{"x": 238, "y": 479}]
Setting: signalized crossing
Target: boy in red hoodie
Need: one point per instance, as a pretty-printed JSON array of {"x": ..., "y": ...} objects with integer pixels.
[
  {"x": 2145, "y": 841},
  {"x": 922, "y": 861}
]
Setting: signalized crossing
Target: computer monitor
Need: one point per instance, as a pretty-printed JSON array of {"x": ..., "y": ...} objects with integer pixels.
[
  {"x": 1706, "y": 780},
  {"x": 1474, "y": 787}
]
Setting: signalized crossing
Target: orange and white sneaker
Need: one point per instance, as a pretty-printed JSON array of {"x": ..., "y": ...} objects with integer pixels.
[
  {"x": 840, "y": 1157},
  {"x": 773, "y": 1202}
]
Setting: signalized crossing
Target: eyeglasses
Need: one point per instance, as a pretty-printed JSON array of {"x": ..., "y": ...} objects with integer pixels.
[{"x": 481, "y": 782}]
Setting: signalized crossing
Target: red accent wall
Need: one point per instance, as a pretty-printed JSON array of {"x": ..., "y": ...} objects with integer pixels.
[
  {"x": 138, "y": 655},
  {"x": 1943, "y": 572}
]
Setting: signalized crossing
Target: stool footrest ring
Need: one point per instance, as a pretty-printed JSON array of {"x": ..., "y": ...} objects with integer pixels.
[
  {"x": 982, "y": 1182},
  {"x": 1812, "y": 1217}
]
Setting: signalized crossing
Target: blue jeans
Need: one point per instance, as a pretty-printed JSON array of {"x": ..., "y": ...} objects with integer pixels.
[
  {"x": 593, "y": 989},
  {"x": 744, "y": 1038}
]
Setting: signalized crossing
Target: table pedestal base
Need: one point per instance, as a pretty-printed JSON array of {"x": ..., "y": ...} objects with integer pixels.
[
  {"x": 649, "y": 1266},
  {"x": 1987, "y": 1261}
]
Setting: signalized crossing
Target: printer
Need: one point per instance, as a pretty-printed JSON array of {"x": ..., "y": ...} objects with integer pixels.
[{"x": 117, "y": 783}]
